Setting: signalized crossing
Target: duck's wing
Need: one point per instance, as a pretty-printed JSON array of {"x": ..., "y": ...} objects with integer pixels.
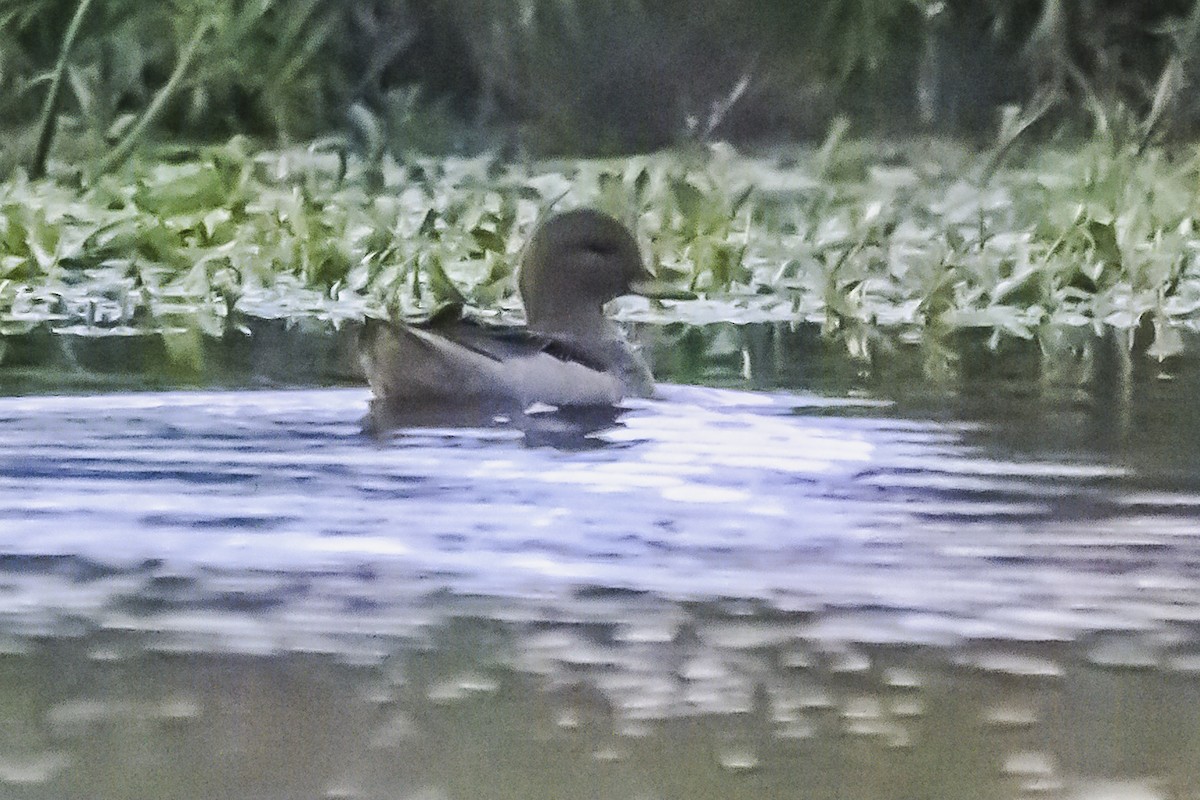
[
  {"x": 460, "y": 361},
  {"x": 499, "y": 341},
  {"x": 507, "y": 342}
]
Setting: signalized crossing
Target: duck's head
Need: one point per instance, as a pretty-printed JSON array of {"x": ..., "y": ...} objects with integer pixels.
[{"x": 574, "y": 263}]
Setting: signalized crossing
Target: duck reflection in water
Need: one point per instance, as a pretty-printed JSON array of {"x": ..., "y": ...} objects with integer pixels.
[{"x": 452, "y": 370}]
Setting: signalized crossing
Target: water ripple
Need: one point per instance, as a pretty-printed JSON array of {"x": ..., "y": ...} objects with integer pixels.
[{"x": 793, "y": 500}]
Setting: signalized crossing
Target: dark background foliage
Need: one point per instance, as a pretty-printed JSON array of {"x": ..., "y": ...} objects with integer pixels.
[{"x": 581, "y": 77}]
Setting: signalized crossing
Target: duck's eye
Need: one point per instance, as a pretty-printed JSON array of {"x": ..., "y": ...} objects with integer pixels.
[{"x": 598, "y": 248}]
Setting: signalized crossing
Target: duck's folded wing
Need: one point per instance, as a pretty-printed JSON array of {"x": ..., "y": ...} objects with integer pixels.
[
  {"x": 506, "y": 342},
  {"x": 480, "y": 363}
]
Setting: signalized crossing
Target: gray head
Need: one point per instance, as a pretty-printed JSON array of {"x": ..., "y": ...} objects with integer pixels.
[{"x": 574, "y": 263}]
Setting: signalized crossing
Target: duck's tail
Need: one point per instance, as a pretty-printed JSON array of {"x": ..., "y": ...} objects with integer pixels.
[{"x": 412, "y": 365}]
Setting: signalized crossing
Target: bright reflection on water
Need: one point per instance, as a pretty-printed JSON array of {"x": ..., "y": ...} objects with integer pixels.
[
  {"x": 714, "y": 594},
  {"x": 701, "y": 493}
]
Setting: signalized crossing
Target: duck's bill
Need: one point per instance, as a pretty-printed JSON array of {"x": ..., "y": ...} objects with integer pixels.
[{"x": 657, "y": 289}]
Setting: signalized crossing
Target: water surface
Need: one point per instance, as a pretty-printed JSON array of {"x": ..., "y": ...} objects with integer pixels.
[{"x": 715, "y": 593}]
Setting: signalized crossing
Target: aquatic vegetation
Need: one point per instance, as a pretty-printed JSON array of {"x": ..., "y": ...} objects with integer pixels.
[{"x": 872, "y": 241}]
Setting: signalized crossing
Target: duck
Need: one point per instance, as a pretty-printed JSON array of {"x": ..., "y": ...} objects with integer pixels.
[{"x": 568, "y": 355}]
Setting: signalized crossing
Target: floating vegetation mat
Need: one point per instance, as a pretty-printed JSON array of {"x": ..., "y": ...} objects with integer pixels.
[{"x": 870, "y": 241}]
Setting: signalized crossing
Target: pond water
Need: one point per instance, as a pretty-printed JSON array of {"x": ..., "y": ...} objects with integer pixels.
[{"x": 798, "y": 583}]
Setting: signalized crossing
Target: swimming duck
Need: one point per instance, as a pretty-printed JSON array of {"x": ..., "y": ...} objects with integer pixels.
[{"x": 568, "y": 354}]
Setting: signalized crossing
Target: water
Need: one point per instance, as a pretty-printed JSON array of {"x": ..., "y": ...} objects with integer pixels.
[{"x": 986, "y": 592}]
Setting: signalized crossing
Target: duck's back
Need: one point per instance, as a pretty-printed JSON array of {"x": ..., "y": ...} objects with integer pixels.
[{"x": 493, "y": 369}]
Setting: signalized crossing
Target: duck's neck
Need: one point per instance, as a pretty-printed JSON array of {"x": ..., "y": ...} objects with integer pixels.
[{"x": 580, "y": 324}]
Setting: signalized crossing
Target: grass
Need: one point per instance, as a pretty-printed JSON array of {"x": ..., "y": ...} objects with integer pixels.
[
  {"x": 95, "y": 80},
  {"x": 876, "y": 242}
]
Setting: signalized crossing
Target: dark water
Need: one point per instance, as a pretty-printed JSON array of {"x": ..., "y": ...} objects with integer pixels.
[{"x": 986, "y": 587}]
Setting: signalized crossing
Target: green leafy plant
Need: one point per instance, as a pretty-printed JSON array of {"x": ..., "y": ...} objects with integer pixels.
[{"x": 1088, "y": 239}]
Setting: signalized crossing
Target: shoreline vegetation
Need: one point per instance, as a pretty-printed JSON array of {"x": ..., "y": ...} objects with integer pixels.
[
  {"x": 880, "y": 245},
  {"x": 901, "y": 174},
  {"x": 90, "y": 82}
]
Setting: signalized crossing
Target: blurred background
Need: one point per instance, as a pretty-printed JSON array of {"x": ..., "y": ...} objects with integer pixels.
[{"x": 583, "y": 77}]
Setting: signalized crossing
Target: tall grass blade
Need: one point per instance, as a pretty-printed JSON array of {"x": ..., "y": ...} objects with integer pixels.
[
  {"x": 126, "y": 146},
  {"x": 48, "y": 124}
]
